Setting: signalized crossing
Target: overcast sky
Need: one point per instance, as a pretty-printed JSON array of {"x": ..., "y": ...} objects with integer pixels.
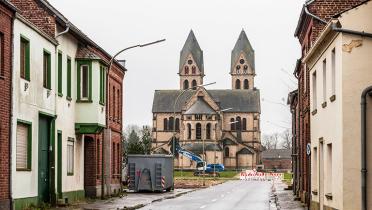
[{"x": 269, "y": 24}]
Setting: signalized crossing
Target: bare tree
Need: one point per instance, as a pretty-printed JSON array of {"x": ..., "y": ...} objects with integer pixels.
[
  {"x": 266, "y": 141},
  {"x": 286, "y": 139},
  {"x": 274, "y": 139}
]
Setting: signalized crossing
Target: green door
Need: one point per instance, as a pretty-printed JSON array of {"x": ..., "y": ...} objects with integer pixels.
[{"x": 44, "y": 135}]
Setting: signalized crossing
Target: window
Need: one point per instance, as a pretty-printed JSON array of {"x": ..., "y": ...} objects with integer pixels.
[
  {"x": 238, "y": 123},
  {"x": 1, "y": 54},
  {"x": 329, "y": 168},
  {"x": 70, "y": 156},
  {"x": 324, "y": 80},
  {"x": 227, "y": 152},
  {"x": 46, "y": 70},
  {"x": 102, "y": 83},
  {"x": 25, "y": 58},
  {"x": 118, "y": 108},
  {"x": 194, "y": 84},
  {"x": 198, "y": 117},
  {"x": 68, "y": 78},
  {"x": 177, "y": 124},
  {"x": 171, "y": 125},
  {"x": 237, "y": 84},
  {"x": 84, "y": 81},
  {"x": 314, "y": 91},
  {"x": 60, "y": 79},
  {"x": 185, "y": 84},
  {"x": 246, "y": 84},
  {"x": 23, "y": 145},
  {"x": 113, "y": 158},
  {"x": 188, "y": 131},
  {"x": 114, "y": 102},
  {"x": 98, "y": 157},
  {"x": 198, "y": 131},
  {"x": 333, "y": 71},
  {"x": 193, "y": 69},
  {"x": 208, "y": 131},
  {"x": 165, "y": 124},
  {"x": 232, "y": 124},
  {"x": 315, "y": 167},
  {"x": 244, "y": 124},
  {"x": 118, "y": 157},
  {"x": 186, "y": 70}
]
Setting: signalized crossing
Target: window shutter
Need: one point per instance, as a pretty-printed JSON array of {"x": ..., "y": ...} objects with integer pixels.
[{"x": 21, "y": 147}]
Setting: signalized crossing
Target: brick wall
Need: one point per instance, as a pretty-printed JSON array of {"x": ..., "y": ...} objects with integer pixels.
[
  {"x": 284, "y": 164},
  {"x": 35, "y": 12},
  {"x": 5, "y": 103}
]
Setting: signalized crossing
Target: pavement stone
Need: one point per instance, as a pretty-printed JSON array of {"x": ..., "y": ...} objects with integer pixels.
[{"x": 285, "y": 200}]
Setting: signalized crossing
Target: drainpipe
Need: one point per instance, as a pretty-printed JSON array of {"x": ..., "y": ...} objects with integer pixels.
[
  {"x": 313, "y": 16},
  {"x": 336, "y": 27},
  {"x": 11, "y": 118},
  {"x": 363, "y": 105},
  {"x": 65, "y": 31}
]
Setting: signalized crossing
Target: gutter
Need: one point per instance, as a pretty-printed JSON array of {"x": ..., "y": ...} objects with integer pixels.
[
  {"x": 363, "y": 140},
  {"x": 338, "y": 28},
  {"x": 313, "y": 16}
]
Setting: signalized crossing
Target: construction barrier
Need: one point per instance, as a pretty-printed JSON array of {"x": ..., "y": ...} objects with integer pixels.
[{"x": 253, "y": 175}]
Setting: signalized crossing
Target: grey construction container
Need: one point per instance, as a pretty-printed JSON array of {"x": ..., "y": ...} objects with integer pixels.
[{"x": 150, "y": 173}]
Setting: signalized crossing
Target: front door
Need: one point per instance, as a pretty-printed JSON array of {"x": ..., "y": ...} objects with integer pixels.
[{"x": 44, "y": 142}]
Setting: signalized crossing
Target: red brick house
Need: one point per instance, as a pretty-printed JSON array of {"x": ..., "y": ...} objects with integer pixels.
[
  {"x": 314, "y": 16},
  {"x": 7, "y": 12},
  {"x": 294, "y": 108},
  {"x": 277, "y": 159}
]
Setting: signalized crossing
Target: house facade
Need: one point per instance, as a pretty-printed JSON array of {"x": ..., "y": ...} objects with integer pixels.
[
  {"x": 7, "y": 12},
  {"x": 314, "y": 16},
  {"x": 340, "y": 70},
  {"x": 60, "y": 110},
  {"x": 226, "y": 123},
  {"x": 277, "y": 160}
]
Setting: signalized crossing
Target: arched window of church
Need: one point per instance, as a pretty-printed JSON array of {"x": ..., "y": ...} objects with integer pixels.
[
  {"x": 194, "y": 84},
  {"x": 237, "y": 84},
  {"x": 188, "y": 131},
  {"x": 246, "y": 85},
  {"x": 208, "y": 130},
  {"x": 186, "y": 84},
  {"x": 186, "y": 70},
  {"x": 244, "y": 124},
  {"x": 177, "y": 124},
  {"x": 227, "y": 152},
  {"x": 198, "y": 131},
  {"x": 170, "y": 123},
  {"x": 232, "y": 124},
  {"x": 165, "y": 122},
  {"x": 238, "y": 123},
  {"x": 193, "y": 69}
]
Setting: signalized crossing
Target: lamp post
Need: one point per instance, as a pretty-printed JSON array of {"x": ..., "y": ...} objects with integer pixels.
[
  {"x": 215, "y": 134},
  {"x": 107, "y": 127},
  {"x": 174, "y": 117}
]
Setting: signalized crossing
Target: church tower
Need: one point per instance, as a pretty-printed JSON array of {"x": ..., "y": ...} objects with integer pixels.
[
  {"x": 191, "y": 69},
  {"x": 242, "y": 64}
]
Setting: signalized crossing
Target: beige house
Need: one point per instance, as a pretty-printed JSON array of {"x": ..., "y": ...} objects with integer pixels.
[
  {"x": 227, "y": 121},
  {"x": 340, "y": 66}
]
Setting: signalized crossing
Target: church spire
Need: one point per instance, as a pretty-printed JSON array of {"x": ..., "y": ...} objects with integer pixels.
[
  {"x": 242, "y": 46},
  {"x": 192, "y": 47}
]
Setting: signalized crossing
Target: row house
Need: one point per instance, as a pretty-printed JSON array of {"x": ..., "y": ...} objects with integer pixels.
[
  {"x": 7, "y": 12},
  {"x": 339, "y": 65},
  {"x": 315, "y": 15},
  {"x": 60, "y": 110}
]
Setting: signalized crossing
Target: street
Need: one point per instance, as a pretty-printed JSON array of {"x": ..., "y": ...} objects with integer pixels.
[{"x": 229, "y": 195}]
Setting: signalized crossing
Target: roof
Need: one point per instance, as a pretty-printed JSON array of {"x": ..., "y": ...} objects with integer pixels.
[
  {"x": 291, "y": 96},
  {"x": 62, "y": 20},
  {"x": 197, "y": 148},
  {"x": 242, "y": 45},
  {"x": 9, "y": 5},
  {"x": 277, "y": 154},
  {"x": 237, "y": 100},
  {"x": 192, "y": 47},
  {"x": 246, "y": 150},
  {"x": 200, "y": 107},
  {"x": 86, "y": 53}
]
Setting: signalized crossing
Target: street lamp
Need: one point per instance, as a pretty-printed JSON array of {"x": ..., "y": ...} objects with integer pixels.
[
  {"x": 174, "y": 117},
  {"x": 107, "y": 127}
]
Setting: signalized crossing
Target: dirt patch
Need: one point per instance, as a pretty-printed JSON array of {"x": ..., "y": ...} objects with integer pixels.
[{"x": 193, "y": 183}]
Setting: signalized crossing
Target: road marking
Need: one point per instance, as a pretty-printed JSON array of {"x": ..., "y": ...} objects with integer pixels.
[
  {"x": 202, "y": 207},
  {"x": 214, "y": 200}
]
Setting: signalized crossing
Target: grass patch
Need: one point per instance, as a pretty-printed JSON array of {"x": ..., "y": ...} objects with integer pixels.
[{"x": 287, "y": 176}]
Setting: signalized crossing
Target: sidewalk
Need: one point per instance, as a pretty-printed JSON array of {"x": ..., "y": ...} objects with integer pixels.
[
  {"x": 127, "y": 202},
  {"x": 285, "y": 198}
]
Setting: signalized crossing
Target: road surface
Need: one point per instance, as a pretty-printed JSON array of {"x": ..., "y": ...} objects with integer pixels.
[{"x": 234, "y": 195}]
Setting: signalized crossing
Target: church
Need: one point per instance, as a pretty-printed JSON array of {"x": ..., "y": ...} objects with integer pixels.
[{"x": 219, "y": 125}]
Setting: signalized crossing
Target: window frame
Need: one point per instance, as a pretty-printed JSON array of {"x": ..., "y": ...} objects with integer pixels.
[
  {"x": 70, "y": 142},
  {"x": 26, "y": 74},
  {"x": 102, "y": 85},
  {"x": 198, "y": 131},
  {"x": 59, "y": 71},
  {"x": 2, "y": 65},
  {"x": 79, "y": 86},
  {"x": 29, "y": 145},
  {"x": 47, "y": 78}
]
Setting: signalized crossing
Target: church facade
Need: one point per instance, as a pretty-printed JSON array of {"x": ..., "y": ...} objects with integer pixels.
[{"x": 221, "y": 126}]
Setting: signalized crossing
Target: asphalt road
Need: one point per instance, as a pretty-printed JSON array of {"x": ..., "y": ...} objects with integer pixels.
[{"x": 234, "y": 195}]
